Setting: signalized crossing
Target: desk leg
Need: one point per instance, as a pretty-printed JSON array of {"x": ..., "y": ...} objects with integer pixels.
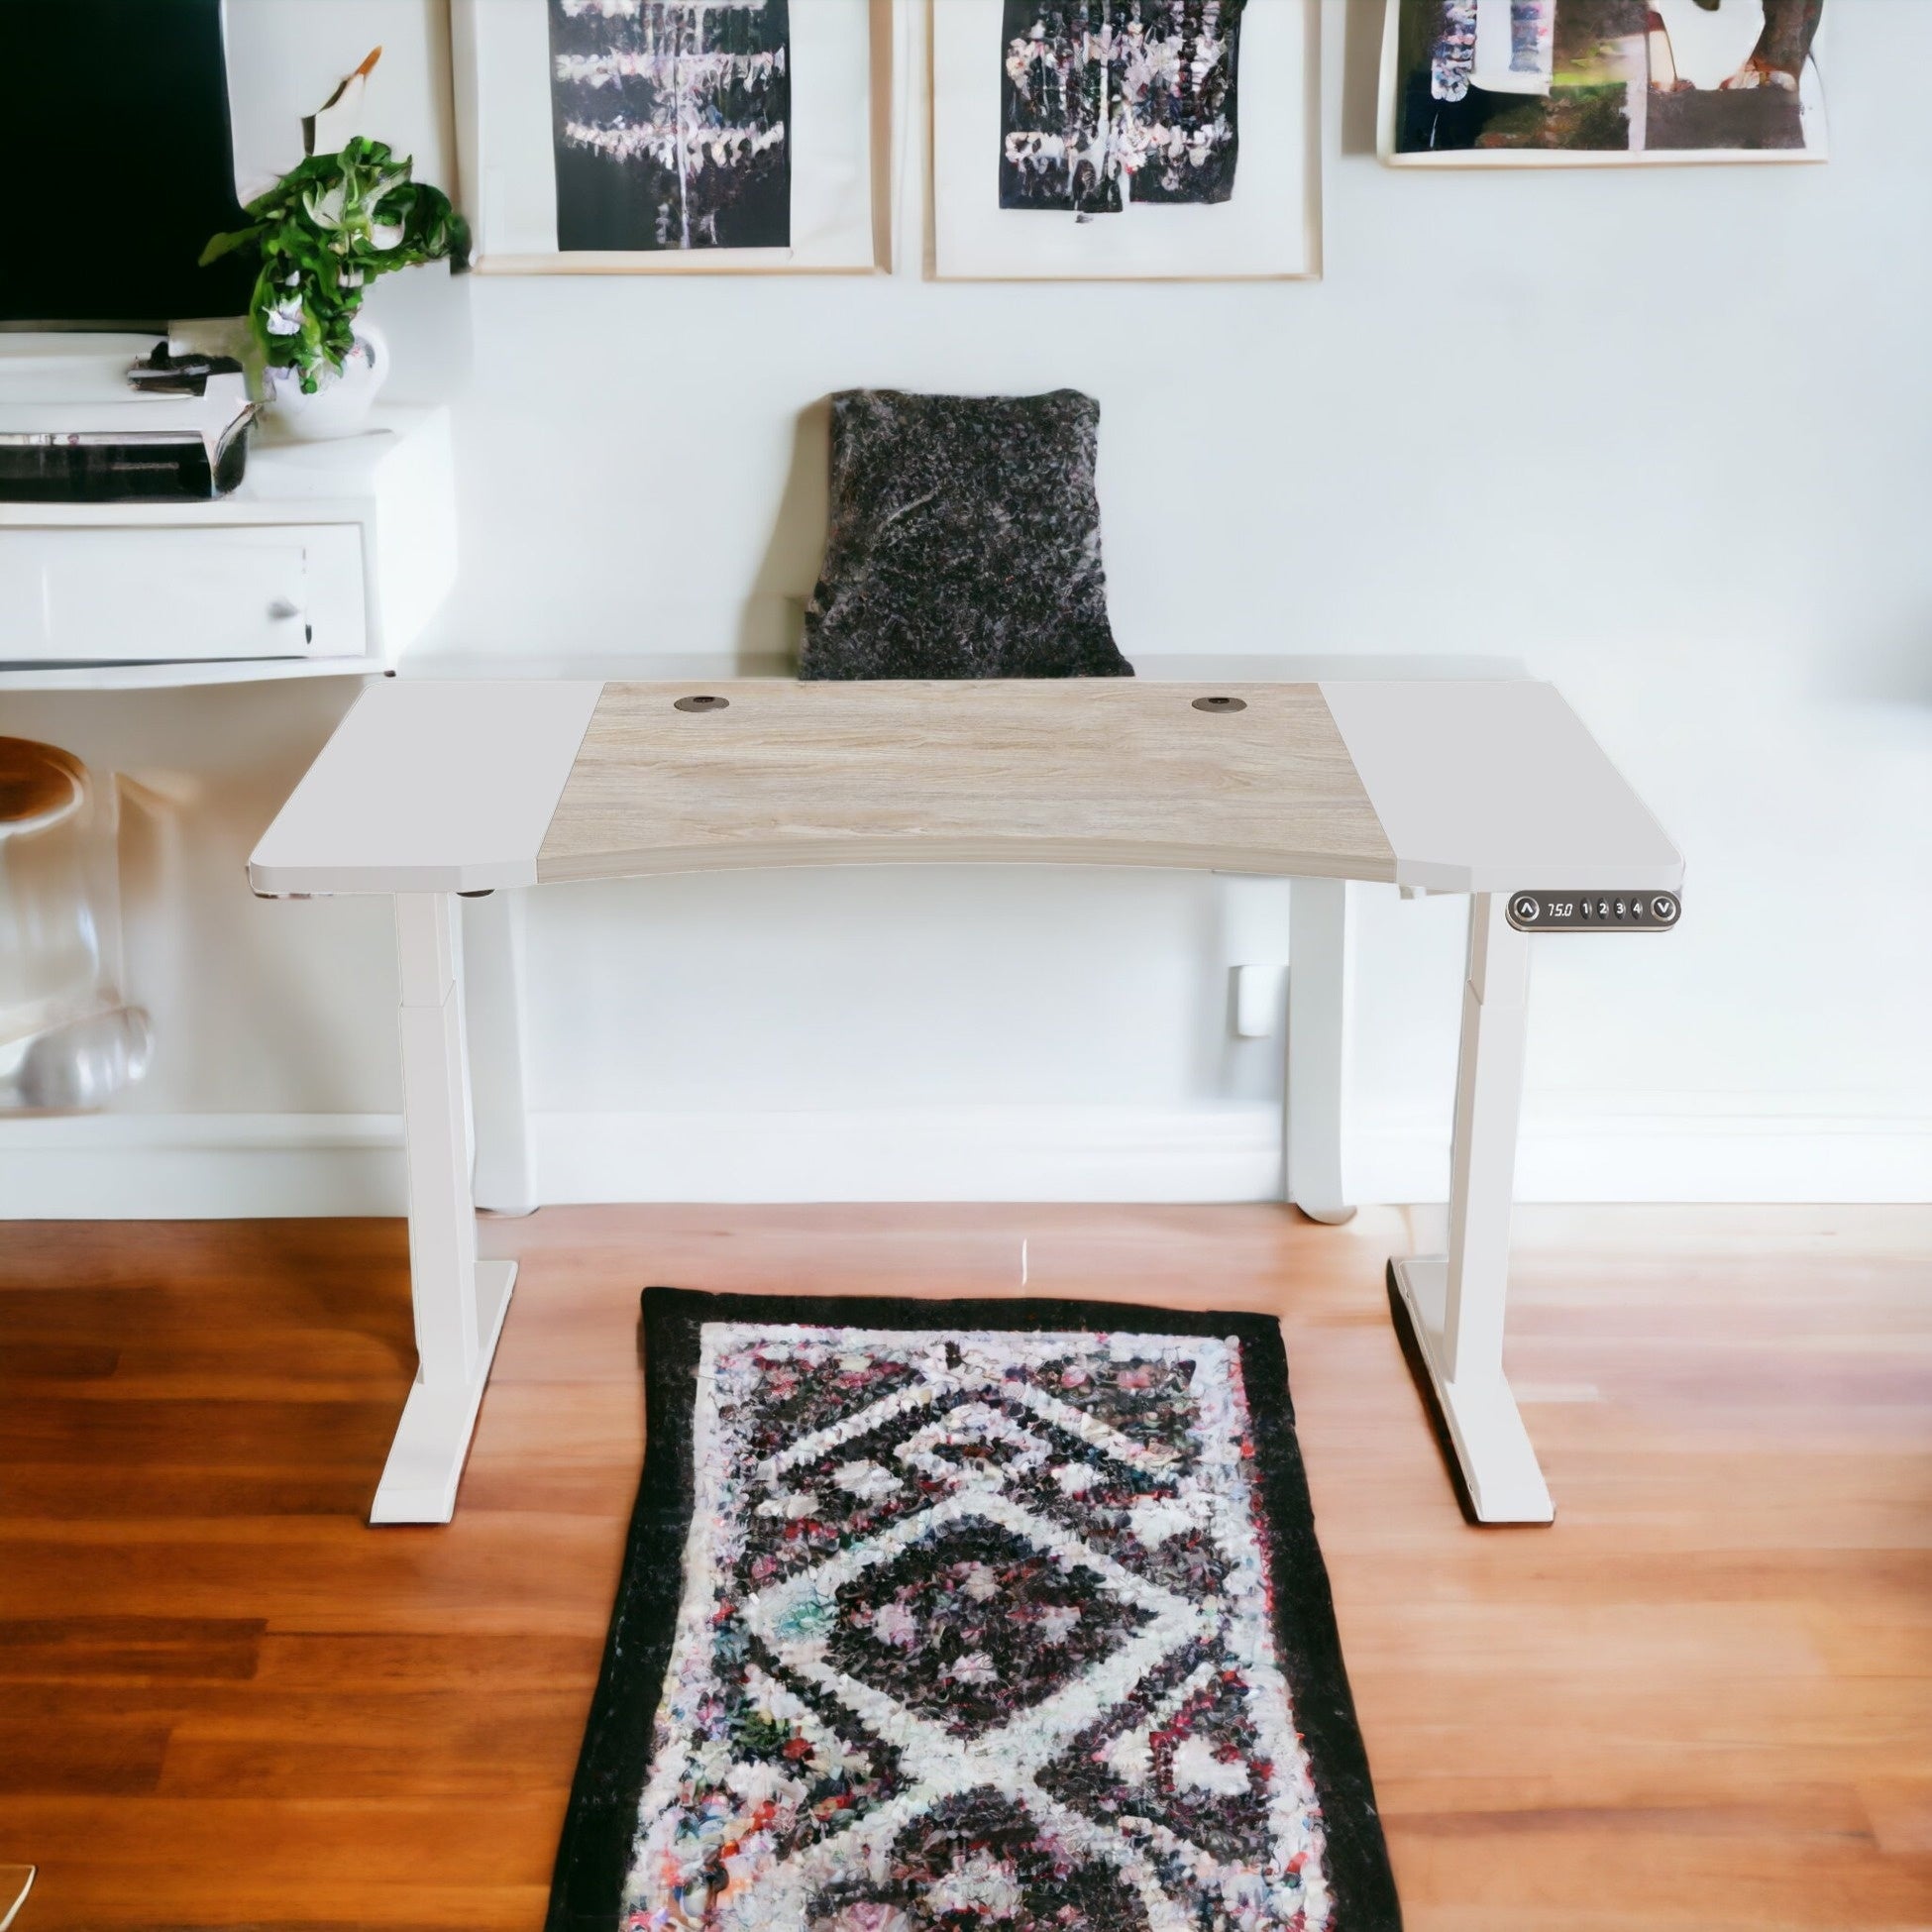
[
  {"x": 492, "y": 993},
  {"x": 1453, "y": 1304},
  {"x": 1321, "y": 969},
  {"x": 460, "y": 1302}
]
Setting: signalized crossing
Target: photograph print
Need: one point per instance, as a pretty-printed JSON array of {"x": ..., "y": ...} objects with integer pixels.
[
  {"x": 1122, "y": 139},
  {"x": 1528, "y": 82},
  {"x": 671, "y": 136}
]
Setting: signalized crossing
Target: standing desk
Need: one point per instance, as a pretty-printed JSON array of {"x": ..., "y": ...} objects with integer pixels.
[{"x": 1487, "y": 788}]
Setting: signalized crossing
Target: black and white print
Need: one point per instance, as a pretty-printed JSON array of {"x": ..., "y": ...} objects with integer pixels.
[
  {"x": 670, "y": 122},
  {"x": 1109, "y": 101}
]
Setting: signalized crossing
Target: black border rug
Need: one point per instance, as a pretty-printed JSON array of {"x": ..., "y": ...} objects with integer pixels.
[{"x": 593, "y": 1859}]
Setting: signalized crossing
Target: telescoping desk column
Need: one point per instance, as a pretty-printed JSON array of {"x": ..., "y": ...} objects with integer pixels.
[{"x": 1486, "y": 788}]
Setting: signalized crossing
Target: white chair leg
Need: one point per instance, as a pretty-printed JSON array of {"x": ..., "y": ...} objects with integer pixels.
[
  {"x": 458, "y": 1300},
  {"x": 1321, "y": 973},
  {"x": 1453, "y": 1303},
  {"x": 492, "y": 994}
]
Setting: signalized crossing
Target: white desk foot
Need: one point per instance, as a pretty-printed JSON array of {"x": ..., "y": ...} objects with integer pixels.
[
  {"x": 1327, "y": 1217},
  {"x": 432, "y": 1441},
  {"x": 1500, "y": 1476}
]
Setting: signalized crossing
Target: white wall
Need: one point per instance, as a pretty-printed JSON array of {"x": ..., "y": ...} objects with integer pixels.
[{"x": 1664, "y": 434}]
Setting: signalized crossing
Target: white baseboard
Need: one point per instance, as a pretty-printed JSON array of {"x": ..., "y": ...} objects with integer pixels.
[
  {"x": 1676, "y": 1148},
  {"x": 976, "y": 1154},
  {"x": 1670, "y": 1149},
  {"x": 197, "y": 1166}
]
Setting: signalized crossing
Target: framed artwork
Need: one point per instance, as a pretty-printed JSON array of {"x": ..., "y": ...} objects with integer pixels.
[
  {"x": 1124, "y": 140},
  {"x": 672, "y": 136},
  {"x": 1515, "y": 83}
]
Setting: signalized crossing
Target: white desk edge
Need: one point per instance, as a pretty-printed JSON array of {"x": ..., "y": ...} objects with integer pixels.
[{"x": 1482, "y": 785}]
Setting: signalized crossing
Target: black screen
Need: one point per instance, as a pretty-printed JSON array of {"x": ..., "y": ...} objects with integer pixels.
[{"x": 115, "y": 144}]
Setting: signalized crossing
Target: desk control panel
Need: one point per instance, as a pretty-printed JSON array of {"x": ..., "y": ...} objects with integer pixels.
[{"x": 1593, "y": 911}]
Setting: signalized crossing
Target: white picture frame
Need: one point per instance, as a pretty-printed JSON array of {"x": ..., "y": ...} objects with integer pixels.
[
  {"x": 1268, "y": 229},
  {"x": 840, "y": 134}
]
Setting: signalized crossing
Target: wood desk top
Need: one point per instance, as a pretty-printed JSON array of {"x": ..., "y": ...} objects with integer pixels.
[{"x": 1454, "y": 785}]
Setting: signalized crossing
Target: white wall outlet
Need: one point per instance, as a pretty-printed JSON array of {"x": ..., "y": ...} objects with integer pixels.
[{"x": 1257, "y": 1000}]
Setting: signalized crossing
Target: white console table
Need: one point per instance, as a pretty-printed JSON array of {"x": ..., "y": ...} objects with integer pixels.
[
  {"x": 329, "y": 560},
  {"x": 1483, "y": 786}
]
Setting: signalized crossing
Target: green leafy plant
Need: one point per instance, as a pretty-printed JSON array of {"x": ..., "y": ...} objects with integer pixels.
[{"x": 325, "y": 231}]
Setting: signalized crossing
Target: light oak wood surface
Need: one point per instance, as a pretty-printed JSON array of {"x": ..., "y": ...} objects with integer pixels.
[
  {"x": 1089, "y": 771},
  {"x": 1701, "y": 1701}
]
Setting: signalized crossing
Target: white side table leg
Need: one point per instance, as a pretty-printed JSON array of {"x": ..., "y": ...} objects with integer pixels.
[
  {"x": 460, "y": 1302},
  {"x": 1453, "y": 1304},
  {"x": 1320, "y": 972}
]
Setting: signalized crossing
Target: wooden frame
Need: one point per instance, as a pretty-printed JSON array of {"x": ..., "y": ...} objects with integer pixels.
[
  {"x": 1273, "y": 232},
  {"x": 840, "y": 190}
]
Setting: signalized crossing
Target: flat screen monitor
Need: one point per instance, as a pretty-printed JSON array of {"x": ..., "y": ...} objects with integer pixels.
[{"x": 114, "y": 134}]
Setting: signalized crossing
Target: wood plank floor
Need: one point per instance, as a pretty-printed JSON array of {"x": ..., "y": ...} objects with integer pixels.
[{"x": 1700, "y": 1702}]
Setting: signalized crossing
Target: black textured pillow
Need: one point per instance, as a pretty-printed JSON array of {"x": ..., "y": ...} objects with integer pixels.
[{"x": 964, "y": 542}]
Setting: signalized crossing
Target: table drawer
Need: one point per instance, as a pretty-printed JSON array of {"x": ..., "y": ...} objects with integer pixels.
[{"x": 124, "y": 596}]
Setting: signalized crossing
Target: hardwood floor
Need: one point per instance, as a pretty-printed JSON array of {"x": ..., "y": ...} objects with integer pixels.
[{"x": 1701, "y": 1701}]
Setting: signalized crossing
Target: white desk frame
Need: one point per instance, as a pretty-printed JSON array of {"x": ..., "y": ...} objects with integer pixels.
[
  {"x": 416, "y": 796},
  {"x": 460, "y": 1301}
]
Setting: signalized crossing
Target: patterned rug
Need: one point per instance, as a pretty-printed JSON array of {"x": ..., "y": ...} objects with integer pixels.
[{"x": 969, "y": 1616}]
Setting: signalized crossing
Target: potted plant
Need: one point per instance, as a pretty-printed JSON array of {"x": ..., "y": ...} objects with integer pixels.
[{"x": 324, "y": 232}]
